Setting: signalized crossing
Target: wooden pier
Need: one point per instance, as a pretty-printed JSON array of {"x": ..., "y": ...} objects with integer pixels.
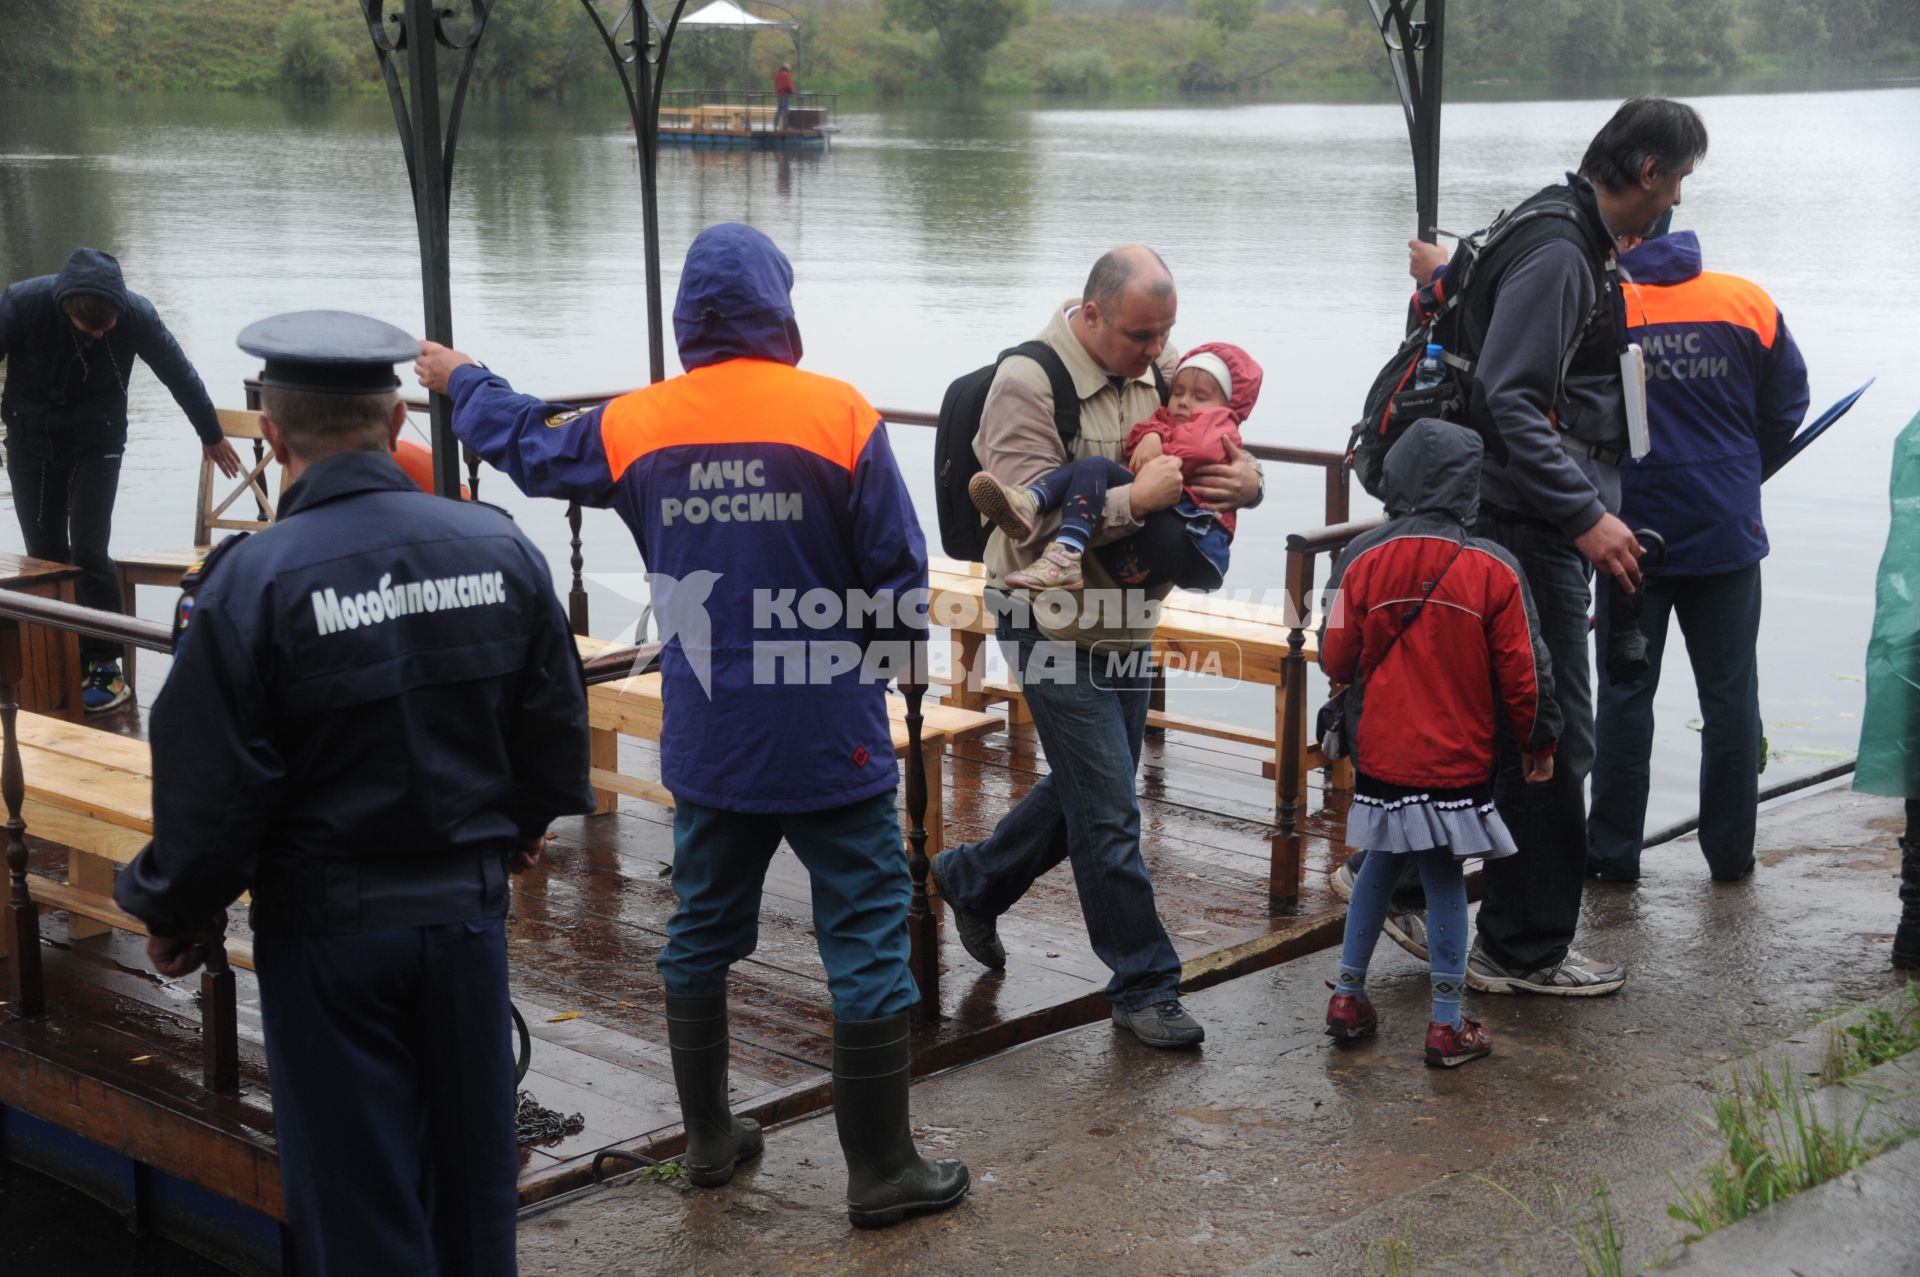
[{"x": 117, "y": 1055}]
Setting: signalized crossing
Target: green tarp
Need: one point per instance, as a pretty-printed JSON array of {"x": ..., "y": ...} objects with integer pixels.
[{"x": 1890, "y": 728}]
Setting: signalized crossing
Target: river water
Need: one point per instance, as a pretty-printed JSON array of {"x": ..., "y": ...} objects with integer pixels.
[{"x": 925, "y": 240}]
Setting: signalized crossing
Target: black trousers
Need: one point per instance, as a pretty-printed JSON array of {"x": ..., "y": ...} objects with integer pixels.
[
  {"x": 66, "y": 516},
  {"x": 393, "y": 1101}
]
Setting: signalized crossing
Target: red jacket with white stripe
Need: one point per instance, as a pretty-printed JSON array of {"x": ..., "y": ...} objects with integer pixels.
[{"x": 1424, "y": 712}]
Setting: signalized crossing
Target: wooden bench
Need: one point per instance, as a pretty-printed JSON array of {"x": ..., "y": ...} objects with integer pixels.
[
  {"x": 633, "y": 707},
  {"x": 1198, "y": 633},
  {"x": 90, "y": 791}
]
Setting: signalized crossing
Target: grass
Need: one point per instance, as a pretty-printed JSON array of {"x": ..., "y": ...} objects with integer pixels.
[
  {"x": 1600, "y": 1243},
  {"x": 1778, "y": 1142},
  {"x": 1881, "y": 1036}
]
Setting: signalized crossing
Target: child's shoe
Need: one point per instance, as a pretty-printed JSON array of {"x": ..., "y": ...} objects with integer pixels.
[
  {"x": 1009, "y": 509},
  {"x": 1350, "y": 1018},
  {"x": 1057, "y": 569},
  {"x": 1449, "y": 1048},
  {"x": 103, "y": 689}
]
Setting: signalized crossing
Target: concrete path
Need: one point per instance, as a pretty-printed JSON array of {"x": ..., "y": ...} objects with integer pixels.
[{"x": 1271, "y": 1152}]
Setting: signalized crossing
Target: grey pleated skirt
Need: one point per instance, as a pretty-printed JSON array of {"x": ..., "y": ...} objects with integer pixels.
[{"x": 1402, "y": 818}]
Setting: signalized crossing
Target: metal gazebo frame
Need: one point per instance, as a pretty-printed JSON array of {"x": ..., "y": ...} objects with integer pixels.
[{"x": 1416, "y": 48}]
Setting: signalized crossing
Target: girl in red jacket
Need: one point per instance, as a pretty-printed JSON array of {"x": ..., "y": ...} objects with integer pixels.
[
  {"x": 1435, "y": 634},
  {"x": 1213, "y": 391}
]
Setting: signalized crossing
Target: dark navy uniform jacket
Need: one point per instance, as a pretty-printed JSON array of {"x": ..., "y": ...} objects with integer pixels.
[{"x": 372, "y": 704}]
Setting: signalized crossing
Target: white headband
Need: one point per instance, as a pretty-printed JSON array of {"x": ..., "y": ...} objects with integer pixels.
[{"x": 1211, "y": 364}]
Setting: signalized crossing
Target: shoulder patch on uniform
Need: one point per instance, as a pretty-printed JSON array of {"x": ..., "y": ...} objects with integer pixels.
[
  {"x": 192, "y": 579},
  {"x": 198, "y": 572},
  {"x": 558, "y": 419}
]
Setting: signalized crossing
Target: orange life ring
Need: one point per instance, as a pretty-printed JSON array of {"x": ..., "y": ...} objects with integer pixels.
[{"x": 417, "y": 461}]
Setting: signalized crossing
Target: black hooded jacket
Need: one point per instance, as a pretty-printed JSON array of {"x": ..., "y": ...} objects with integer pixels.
[{"x": 66, "y": 393}]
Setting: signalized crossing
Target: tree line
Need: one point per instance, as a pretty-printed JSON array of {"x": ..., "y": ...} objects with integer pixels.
[{"x": 549, "y": 46}]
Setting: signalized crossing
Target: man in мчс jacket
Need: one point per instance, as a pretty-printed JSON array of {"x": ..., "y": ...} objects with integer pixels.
[
  {"x": 748, "y": 483},
  {"x": 1726, "y": 389}
]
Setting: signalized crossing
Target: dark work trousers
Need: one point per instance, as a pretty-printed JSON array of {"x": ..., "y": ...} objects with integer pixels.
[
  {"x": 860, "y": 886},
  {"x": 391, "y": 1067},
  {"x": 1719, "y": 617},
  {"x": 1530, "y": 903},
  {"x": 66, "y": 516}
]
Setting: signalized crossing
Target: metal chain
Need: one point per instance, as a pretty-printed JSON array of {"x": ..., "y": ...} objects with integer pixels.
[{"x": 536, "y": 1125}]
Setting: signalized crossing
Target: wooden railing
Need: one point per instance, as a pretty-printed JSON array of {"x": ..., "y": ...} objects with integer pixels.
[
  {"x": 219, "y": 1019},
  {"x": 1303, "y": 552}
]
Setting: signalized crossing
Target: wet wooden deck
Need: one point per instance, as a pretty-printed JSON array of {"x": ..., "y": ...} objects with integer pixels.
[{"x": 586, "y": 928}]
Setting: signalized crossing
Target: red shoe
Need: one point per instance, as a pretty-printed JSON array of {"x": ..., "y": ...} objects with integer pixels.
[
  {"x": 1350, "y": 1018},
  {"x": 1449, "y": 1048}
]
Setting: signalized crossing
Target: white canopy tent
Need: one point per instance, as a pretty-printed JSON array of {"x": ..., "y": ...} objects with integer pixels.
[{"x": 727, "y": 15}]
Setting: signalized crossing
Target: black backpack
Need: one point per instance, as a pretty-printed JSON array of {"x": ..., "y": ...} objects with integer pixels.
[
  {"x": 1454, "y": 312},
  {"x": 963, "y": 534}
]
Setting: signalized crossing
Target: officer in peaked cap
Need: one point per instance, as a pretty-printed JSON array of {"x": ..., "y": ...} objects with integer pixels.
[{"x": 374, "y": 712}]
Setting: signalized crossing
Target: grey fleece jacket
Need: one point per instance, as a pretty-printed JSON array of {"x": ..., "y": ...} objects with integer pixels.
[{"x": 1542, "y": 301}]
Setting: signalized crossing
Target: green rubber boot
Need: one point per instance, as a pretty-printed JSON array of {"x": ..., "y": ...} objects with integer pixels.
[
  {"x": 717, "y": 1141},
  {"x": 887, "y": 1179}
]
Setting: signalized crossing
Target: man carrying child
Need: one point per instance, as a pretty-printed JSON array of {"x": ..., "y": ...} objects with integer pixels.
[{"x": 1081, "y": 678}]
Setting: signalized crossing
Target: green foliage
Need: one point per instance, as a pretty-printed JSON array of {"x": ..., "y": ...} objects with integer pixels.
[
  {"x": 310, "y": 59},
  {"x": 1076, "y": 71},
  {"x": 899, "y": 46},
  {"x": 1228, "y": 16},
  {"x": 966, "y": 31},
  {"x": 1778, "y": 1141},
  {"x": 1600, "y": 1243},
  {"x": 665, "y": 1172},
  {"x": 1880, "y": 1037}
]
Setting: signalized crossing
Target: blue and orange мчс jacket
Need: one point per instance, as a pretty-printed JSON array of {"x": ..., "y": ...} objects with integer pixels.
[
  {"x": 776, "y": 528},
  {"x": 1726, "y": 389}
]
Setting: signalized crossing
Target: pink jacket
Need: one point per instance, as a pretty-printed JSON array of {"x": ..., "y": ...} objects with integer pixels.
[{"x": 1202, "y": 438}]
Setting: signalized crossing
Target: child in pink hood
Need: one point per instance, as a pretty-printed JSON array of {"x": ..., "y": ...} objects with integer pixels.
[{"x": 1213, "y": 391}]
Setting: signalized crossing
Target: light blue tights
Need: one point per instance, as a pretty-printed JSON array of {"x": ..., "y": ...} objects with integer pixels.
[{"x": 1446, "y": 889}]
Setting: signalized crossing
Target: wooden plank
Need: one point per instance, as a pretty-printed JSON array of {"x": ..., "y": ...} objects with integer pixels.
[
  {"x": 89, "y": 904},
  {"x": 80, "y": 1077},
  {"x": 106, "y": 794},
  {"x": 92, "y": 876},
  {"x": 82, "y": 832}
]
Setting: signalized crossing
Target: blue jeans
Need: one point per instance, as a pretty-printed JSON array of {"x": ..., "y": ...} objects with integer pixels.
[
  {"x": 1531, "y": 902},
  {"x": 392, "y": 1079},
  {"x": 1720, "y": 619},
  {"x": 857, "y": 861},
  {"x": 1091, "y": 711}
]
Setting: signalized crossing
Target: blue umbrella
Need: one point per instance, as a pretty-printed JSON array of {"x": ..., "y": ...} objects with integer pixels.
[{"x": 1814, "y": 430}]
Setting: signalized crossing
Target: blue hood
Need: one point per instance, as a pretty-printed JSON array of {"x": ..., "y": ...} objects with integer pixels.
[
  {"x": 1667, "y": 259},
  {"x": 736, "y": 300}
]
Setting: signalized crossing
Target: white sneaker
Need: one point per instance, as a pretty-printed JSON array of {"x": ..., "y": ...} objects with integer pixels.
[{"x": 1574, "y": 976}]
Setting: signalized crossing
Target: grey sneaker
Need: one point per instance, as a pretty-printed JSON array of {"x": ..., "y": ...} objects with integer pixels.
[
  {"x": 1575, "y": 976},
  {"x": 979, "y": 934},
  {"x": 1408, "y": 929},
  {"x": 1166, "y": 1025},
  {"x": 1341, "y": 881}
]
